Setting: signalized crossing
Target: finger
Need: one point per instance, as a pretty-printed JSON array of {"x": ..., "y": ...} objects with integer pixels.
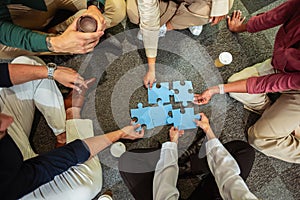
[
  {"x": 239, "y": 14},
  {"x": 141, "y": 133},
  {"x": 136, "y": 126},
  {"x": 151, "y": 84},
  {"x": 234, "y": 14},
  {"x": 243, "y": 19},
  {"x": 146, "y": 84},
  {"x": 74, "y": 87}
]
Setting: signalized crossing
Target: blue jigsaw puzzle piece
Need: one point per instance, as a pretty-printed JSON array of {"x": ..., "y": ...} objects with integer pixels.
[
  {"x": 160, "y": 113},
  {"x": 183, "y": 121},
  {"x": 143, "y": 116},
  {"x": 183, "y": 93},
  {"x": 163, "y": 93}
]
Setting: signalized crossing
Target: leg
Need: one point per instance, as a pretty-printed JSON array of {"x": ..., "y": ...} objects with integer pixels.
[
  {"x": 243, "y": 153},
  {"x": 115, "y": 12},
  {"x": 82, "y": 181},
  {"x": 273, "y": 134},
  {"x": 20, "y": 101},
  {"x": 132, "y": 11},
  {"x": 191, "y": 14},
  {"x": 137, "y": 170},
  {"x": 253, "y": 102}
]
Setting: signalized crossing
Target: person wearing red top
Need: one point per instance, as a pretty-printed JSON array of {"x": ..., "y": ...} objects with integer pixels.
[{"x": 277, "y": 132}]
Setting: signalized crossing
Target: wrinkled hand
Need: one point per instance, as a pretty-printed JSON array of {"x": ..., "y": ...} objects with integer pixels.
[
  {"x": 94, "y": 12},
  {"x": 235, "y": 21},
  {"x": 174, "y": 134},
  {"x": 129, "y": 132},
  {"x": 69, "y": 78},
  {"x": 73, "y": 41},
  {"x": 149, "y": 79},
  {"x": 204, "y": 98},
  {"x": 216, "y": 19}
]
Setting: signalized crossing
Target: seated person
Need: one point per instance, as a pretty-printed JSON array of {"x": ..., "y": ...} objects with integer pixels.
[
  {"x": 22, "y": 25},
  {"x": 169, "y": 15},
  {"x": 226, "y": 180},
  {"x": 69, "y": 172},
  {"x": 277, "y": 132}
]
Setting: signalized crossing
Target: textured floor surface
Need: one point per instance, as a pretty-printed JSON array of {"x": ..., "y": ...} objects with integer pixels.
[{"x": 119, "y": 63}]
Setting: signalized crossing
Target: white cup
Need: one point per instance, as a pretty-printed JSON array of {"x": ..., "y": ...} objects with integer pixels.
[
  {"x": 117, "y": 149},
  {"x": 105, "y": 197},
  {"x": 225, "y": 58}
]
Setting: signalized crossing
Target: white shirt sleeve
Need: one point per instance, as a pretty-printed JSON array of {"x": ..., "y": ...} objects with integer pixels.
[
  {"x": 226, "y": 172},
  {"x": 149, "y": 24},
  {"x": 166, "y": 173}
]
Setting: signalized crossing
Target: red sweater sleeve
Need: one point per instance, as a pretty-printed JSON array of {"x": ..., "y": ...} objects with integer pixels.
[
  {"x": 273, "y": 83},
  {"x": 274, "y": 17}
]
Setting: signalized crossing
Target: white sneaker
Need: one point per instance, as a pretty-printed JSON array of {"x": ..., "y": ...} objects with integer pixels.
[
  {"x": 196, "y": 30},
  {"x": 162, "y": 32}
]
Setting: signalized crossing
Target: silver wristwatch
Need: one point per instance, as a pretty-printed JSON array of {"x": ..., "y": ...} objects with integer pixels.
[{"x": 51, "y": 68}]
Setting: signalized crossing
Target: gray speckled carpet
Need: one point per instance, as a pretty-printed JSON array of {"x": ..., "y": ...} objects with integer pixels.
[{"x": 119, "y": 63}]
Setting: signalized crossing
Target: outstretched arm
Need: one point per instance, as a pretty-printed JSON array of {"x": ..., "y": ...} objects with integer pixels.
[
  {"x": 13, "y": 74},
  {"x": 166, "y": 172},
  {"x": 98, "y": 143},
  {"x": 236, "y": 86},
  {"x": 223, "y": 166}
]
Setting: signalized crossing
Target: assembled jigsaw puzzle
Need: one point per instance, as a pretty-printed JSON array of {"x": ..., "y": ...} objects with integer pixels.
[{"x": 158, "y": 115}]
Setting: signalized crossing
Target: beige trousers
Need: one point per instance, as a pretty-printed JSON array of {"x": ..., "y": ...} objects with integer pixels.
[
  {"x": 272, "y": 134},
  {"x": 115, "y": 12},
  {"x": 80, "y": 182},
  {"x": 188, "y": 13}
]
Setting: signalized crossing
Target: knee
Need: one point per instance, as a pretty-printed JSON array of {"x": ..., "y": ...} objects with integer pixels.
[
  {"x": 94, "y": 173},
  {"x": 30, "y": 60},
  {"x": 117, "y": 10},
  {"x": 233, "y": 78}
]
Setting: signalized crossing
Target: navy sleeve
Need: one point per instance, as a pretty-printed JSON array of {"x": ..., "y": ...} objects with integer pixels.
[
  {"x": 4, "y": 76},
  {"x": 41, "y": 169}
]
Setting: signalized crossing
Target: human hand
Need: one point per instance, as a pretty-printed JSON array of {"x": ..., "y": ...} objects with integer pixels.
[
  {"x": 204, "y": 124},
  {"x": 73, "y": 41},
  {"x": 129, "y": 132},
  {"x": 69, "y": 78},
  {"x": 149, "y": 79},
  {"x": 94, "y": 12},
  {"x": 216, "y": 19},
  {"x": 174, "y": 134},
  {"x": 204, "y": 98},
  {"x": 5, "y": 122},
  {"x": 235, "y": 22}
]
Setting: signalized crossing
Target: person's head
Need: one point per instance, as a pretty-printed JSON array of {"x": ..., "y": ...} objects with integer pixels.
[{"x": 5, "y": 122}]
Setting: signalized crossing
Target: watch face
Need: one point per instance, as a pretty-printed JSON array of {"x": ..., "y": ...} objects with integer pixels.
[{"x": 52, "y": 65}]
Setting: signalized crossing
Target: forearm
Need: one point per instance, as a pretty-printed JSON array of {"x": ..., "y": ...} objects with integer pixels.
[
  {"x": 21, "y": 73},
  {"x": 226, "y": 172},
  {"x": 18, "y": 37},
  {"x": 236, "y": 87},
  {"x": 98, "y": 143},
  {"x": 151, "y": 64}
]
